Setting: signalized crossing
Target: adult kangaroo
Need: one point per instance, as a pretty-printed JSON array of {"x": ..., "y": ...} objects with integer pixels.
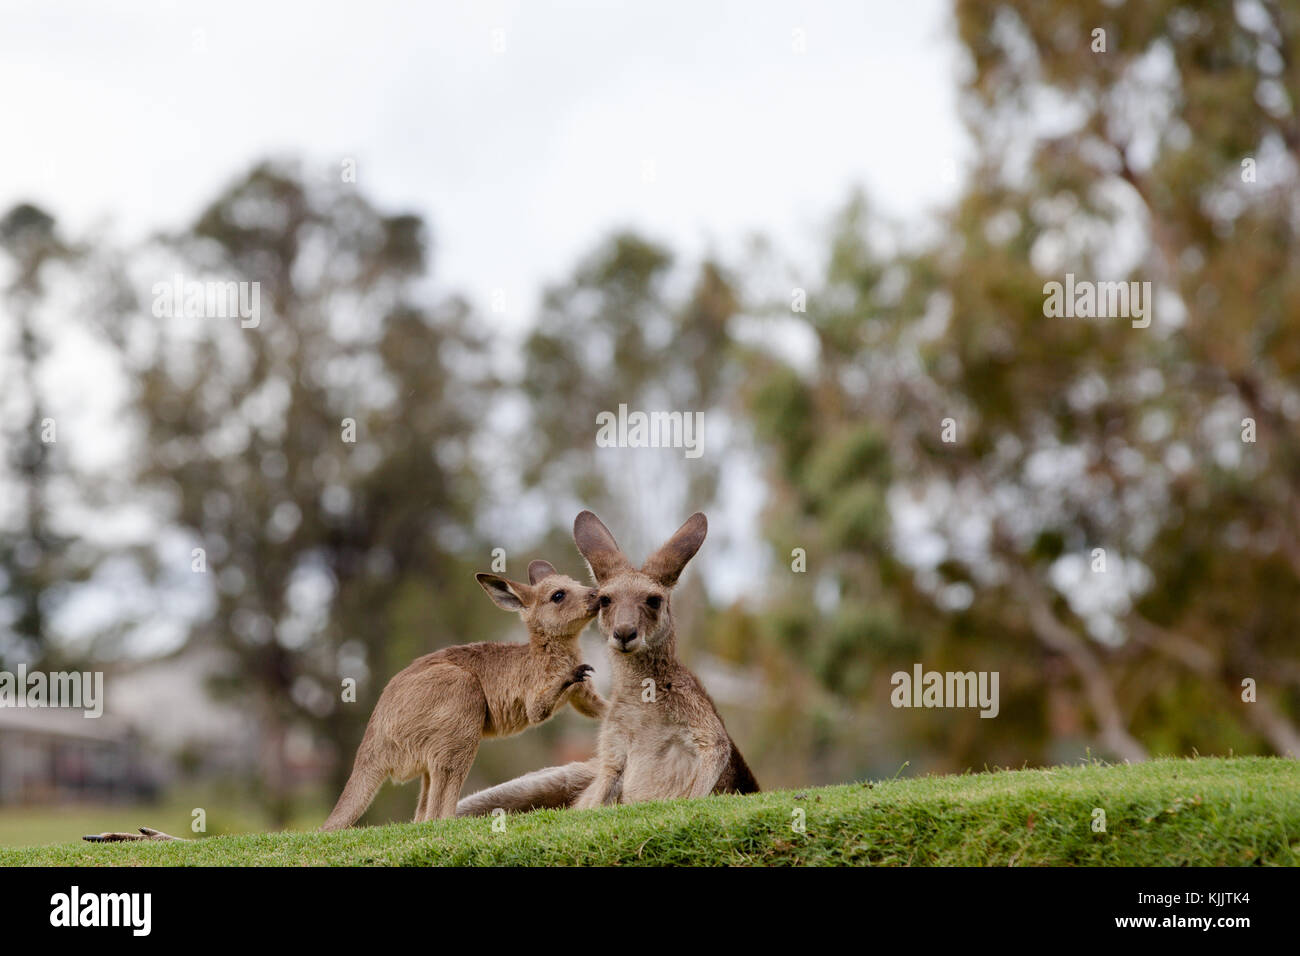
[{"x": 661, "y": 736}]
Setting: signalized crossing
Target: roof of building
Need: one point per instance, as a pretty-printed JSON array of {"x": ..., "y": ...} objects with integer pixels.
[{"x": 61, "y": 722}]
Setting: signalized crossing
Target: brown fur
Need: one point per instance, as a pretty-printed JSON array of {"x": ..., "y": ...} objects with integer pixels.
[
  {"x": 432, "y": 715},
  {"x": 548, "y": 788},
  {"x": 673, "y": 746}
]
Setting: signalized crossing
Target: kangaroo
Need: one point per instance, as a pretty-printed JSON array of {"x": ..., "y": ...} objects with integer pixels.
[
  {"x": 431, "y": 716},
  {"x": 662, "y": 736}
]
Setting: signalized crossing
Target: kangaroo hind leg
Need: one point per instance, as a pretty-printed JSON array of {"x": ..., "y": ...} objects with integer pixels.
[
  {"x": 422, "y": 808},
  {"x": 447, "y": 777}
]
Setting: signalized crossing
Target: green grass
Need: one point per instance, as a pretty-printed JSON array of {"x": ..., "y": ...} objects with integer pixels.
[
  {"x": 1202, "y": 812},
  {"x": 37, "y": 825}
]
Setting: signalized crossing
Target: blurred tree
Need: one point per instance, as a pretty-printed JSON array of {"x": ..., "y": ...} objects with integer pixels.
[
  {"x": 36, "y": 560},
  {"x": 1181, "y": 148},
  {"x": 1116, "y": 526},
  {"x": 321, "y": 457},
  {"x": 616, "y": 334}
]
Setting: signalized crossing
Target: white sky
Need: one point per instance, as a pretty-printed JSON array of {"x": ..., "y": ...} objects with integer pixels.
[
  {"x": 134, "y": 115},
  {"x": 137, "y": 113}
]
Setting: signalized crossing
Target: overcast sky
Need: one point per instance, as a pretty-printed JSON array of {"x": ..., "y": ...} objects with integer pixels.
[{"x": 522, "y": 132}]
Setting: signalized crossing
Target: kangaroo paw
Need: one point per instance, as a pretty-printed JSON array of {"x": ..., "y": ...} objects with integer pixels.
[{"x": 580, "y": 674}]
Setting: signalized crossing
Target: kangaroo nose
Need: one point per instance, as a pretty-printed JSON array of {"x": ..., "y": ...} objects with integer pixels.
[{"x": 625, "y": 635}]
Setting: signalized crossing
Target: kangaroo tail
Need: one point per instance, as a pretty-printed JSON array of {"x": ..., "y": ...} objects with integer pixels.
[
  {"x": 357, "y": 794},
  {"x": 548, "y": 788}
]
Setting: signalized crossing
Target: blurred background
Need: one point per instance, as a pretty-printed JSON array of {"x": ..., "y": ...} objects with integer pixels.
[{"x": 826, "y": 227}]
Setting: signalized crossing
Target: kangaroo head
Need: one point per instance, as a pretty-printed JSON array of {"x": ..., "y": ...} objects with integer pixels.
[
  {"x": 635, "y": 613},
  {"x": 551, "y": 604}
]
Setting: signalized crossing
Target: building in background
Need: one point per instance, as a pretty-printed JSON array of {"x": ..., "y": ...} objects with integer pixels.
[{"x": 56, "y": 756}]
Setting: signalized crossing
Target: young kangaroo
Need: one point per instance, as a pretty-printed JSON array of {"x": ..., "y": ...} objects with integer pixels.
[
  {"x": 659, "y": 740},
  {"x": 431, "y": 716}
]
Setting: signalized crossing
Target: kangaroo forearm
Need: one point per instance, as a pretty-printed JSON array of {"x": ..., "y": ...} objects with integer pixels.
[
  {"x": 540, "y": 709},
  {"x": 588, "y": 703},
  {"x": 542, "y": 706},
  {"x": 544, "y": 703}
]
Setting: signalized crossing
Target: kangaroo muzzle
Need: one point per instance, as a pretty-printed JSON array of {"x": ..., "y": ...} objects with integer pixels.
[{"x": 624, "y": 638}]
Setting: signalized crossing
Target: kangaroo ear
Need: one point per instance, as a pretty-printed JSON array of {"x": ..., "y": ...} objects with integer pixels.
[
  {"x": 597, "y": 546},
  {"x": 539, "y": 569},
  {"x": 666, "y": 564},
  {"x": 507, "y": 595}
]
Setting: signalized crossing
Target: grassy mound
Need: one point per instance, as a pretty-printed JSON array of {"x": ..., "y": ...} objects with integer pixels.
[{"x": 1207, "y": 811}]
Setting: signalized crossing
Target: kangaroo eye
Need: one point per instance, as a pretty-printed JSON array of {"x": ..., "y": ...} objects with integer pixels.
[
  {"x": 557, "y": 597},
  {"x": 654, "y": 601},
  {"x": 604, "y": 600}
]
